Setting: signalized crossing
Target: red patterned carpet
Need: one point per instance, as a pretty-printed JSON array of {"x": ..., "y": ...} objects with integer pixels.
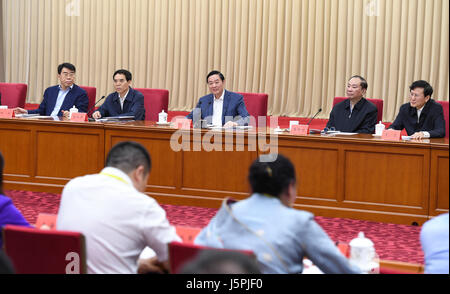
[{"x": 392, "y": 242}]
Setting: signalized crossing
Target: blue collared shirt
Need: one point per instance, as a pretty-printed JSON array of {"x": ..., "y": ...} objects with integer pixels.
[
  {"x": 279, "y": 236},
  {"x": 60, "y": 100},
  {"x": 434, "y": 240}
]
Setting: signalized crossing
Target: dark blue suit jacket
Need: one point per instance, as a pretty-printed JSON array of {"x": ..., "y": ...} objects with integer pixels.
[
  {"x": 362, "y": 120},
  {"x": 431, "y": 119},
  {"x": 76, "y": 96},
  {"x": 132, "y": 106},
  {"x": 233, "y": 109}
]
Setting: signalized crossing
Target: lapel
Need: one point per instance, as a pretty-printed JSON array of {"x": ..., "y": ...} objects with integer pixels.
[
  {"x": 116, "y": 103},
  {"x": 424, "y": 113},
  {"x": 209, "y": 108},
  {"x": 52, "y": 97},
  {"x": 66, "y": 105},
  {"x": 226, "y": 103}
]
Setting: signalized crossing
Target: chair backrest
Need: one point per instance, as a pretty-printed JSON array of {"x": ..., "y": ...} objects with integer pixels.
[
  {"x": 377, "y": 102},
  {"x": 181, "y": 253},
  {"x": 155, "y": 101},
  {"x": 91, "y": 92},
  {"x": 34, "y": 251},
  {"x": 187, "y": 234},
  {"x": 46, "y": 221},
  {"x": 256, "y": 104},
  {"x": 13, "y": 95},
  {"x": 445, "y": 107}
]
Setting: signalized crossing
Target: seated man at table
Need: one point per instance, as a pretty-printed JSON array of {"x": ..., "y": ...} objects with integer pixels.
[
  {"x": 355, "y": 114},
  {"x": 58, "y": 100},
  {"x": 125, "y": 101},
  {"x": 422, "y": 117},
  {"x": 116, "y": 217},
  {"x": 221, "y": 107}
]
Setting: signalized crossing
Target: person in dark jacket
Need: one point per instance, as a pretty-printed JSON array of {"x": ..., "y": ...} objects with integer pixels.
[
  {"x": 125, "y": 101},
  {"x": 422, "y": 117},
  {"x": 355, "y": 114}
]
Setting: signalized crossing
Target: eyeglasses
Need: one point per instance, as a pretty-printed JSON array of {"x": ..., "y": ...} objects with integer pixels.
[{"x": 68, "y": 74}]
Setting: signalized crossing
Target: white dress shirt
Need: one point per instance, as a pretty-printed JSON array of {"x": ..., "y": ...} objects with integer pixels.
[
  {"x": 419, "y": 112},
  {"x": 218, "y": 110},
  {"x": 60, "y": 100},
  {"x": 117, "y": 221},
  {"x": 122, "y": 100}
]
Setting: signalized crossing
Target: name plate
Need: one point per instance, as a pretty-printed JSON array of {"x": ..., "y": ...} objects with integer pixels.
[
  {"x": 182, "y": 123},
  {"x": 391, "y": 135},
  {"x": 301, "y": 130},
  {"x": 7, "y": 113},
  {"x": 79, "y": 117}
]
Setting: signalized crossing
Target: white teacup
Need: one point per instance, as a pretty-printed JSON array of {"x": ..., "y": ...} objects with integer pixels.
[{"x": 293, "y": 123}]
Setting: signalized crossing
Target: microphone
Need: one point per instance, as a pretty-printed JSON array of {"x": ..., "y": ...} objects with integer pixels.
[
  {"x": 315, "y": 131},
  {"x": 103, "y": 97},
  {"x": 91, "y": 119},
  {"x": 320, "y": 110}
]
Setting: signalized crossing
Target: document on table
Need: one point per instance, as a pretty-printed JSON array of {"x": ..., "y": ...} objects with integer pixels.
[{"x": 346, "y": 134}]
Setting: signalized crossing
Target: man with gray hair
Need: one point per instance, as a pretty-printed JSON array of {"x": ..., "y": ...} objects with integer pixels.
[{"x": 117, "y": 219}]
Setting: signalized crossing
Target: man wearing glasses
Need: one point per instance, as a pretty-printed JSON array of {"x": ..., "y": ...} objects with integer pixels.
[{"x": 59, "y": 99}]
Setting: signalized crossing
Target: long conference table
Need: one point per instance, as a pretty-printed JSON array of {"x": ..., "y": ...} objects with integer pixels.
[{"x": 357, "y": 176}]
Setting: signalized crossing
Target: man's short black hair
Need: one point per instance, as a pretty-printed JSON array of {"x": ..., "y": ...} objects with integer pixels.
[
  {"x": 427, "y": 89},
  {"x": 126, "y": 73},
  {"x": 364, "y": 84},
  {"x": 213, "y": 73},
  {"x": 2, "y": 164},
  {"x": 221, "y": 262},
  {"x": 128, "y": 156},
  {"x": 271, "y": 177},
  {"x": 69, "y": 66}
]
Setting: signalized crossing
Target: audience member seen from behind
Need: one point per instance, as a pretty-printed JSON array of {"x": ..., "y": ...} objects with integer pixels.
[
  {"x": 221, "y": 262},
  {"x": 355, "y": 114},
  {"x": 422, "y": 117},
  {"x": 266, "y": 223},
  {"x": 117, "y": 219},
  {"x": 58, "y": 100},
  {"x": 434, "y": 240},
  {"x": 9, "y": 214},
  {"x": 126, "y": 101}
]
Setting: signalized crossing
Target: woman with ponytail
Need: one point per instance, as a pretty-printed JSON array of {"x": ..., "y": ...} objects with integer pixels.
[{"x": 279, "y": 235}]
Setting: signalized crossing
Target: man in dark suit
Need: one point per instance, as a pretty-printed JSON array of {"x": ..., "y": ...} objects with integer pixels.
[
  {"x": 355, "y": 114},
  {"x": 422, "y": 117},
  {"x": 58, "y": 100},
  {"x": 221, "y": 107},
  {"x": 125, "y": 101}
]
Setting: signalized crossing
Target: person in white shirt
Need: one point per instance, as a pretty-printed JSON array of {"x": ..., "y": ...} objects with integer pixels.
[
  {"x": 221, "y": 107},
  {"x": 117, "y": 219}
]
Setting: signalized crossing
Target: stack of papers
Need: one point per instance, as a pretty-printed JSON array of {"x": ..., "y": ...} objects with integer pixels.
[{"x": 115, "y": 118}]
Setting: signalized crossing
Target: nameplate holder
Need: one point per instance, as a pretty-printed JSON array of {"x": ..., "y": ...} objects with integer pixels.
[
  {"x": 182, "y": 124},
  {"x": 7, "y": 113},
  {"x": 391, "y": 135},
  {"x": 79, "y": 117},
  {"x": 300, "y": 130}
]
